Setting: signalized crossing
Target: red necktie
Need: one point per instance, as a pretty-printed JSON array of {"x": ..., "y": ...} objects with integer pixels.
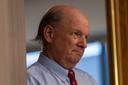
[{"x": 72, "y": 78}]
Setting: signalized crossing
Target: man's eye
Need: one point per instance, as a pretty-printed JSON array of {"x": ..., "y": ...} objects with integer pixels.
[{"x": 76, "y": 34}]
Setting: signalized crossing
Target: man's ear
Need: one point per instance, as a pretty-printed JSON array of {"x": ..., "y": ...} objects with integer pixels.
[{"x": 48, "y": 33}]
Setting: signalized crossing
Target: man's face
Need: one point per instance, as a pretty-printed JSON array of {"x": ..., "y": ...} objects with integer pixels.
[{"x": 70, "y": 40}]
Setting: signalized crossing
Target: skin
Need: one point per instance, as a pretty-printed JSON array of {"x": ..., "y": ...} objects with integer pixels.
[{"x": 66, "y": 41}]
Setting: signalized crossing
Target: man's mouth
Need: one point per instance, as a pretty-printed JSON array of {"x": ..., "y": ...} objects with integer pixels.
[{"x": 78, "y": 51}]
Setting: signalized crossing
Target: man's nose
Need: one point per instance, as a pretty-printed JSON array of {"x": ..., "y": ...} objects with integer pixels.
[{"x": 83, "y": 42}]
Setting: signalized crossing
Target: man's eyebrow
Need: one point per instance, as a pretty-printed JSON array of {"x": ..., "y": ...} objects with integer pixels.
[{"x": 76, "y": 29}]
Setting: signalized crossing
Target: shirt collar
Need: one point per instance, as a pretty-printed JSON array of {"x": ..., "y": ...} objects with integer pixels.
[{"x": 54, "y": 67}]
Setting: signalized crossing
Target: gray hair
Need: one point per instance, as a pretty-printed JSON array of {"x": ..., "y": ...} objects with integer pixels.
[{"x": 52, "y": 17}]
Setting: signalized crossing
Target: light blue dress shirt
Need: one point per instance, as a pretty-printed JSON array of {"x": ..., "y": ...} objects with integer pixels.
[{"x": 47, "y": 72}]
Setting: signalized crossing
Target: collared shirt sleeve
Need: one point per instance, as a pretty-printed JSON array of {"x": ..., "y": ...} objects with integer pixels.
[
  {"x": 83, "y": 78},
  {"x": 32, "y": 81},
  {"x": 47, "y": 72}
]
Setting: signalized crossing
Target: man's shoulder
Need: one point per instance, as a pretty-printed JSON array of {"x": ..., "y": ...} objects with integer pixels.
[
  {"x": 36, "y": 69},
  {"x": 84, "y": 75},
  {"x": 81, "y": 72}
]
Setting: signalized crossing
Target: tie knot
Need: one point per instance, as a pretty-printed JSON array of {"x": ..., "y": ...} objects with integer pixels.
[{"x": 71, "y": 76}]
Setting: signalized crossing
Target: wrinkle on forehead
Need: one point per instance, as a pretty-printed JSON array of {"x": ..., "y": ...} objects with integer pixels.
[{"x": 70, "y": 16}]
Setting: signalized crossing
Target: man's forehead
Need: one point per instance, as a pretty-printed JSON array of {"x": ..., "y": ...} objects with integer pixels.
[
  {"x": 65, "y": 9},
  {"x": 62, "y": 8}
]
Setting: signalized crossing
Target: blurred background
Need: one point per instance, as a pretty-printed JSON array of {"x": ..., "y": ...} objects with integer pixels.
[{"x": 95, "y": 59}]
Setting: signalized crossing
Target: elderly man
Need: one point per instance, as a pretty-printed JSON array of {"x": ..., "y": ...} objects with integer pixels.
[{"x": 63, "y": 32}]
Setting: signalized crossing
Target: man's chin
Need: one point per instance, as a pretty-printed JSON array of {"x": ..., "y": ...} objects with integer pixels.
[{"x": 75, "y": 62}]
